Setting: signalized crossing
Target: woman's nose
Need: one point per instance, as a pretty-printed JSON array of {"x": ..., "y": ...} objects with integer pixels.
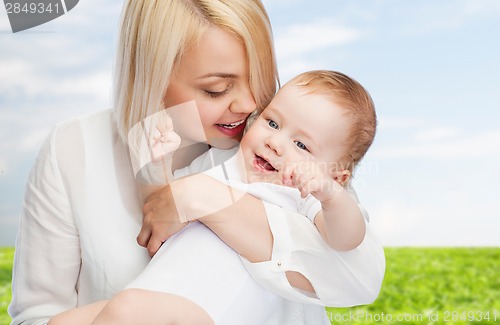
[{"x": 244, "y": 103}]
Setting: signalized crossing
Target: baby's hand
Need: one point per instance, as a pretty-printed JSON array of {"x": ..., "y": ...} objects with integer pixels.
[
  {"x": 309, "y": 178},
  {"x": 163, "y": 139}
]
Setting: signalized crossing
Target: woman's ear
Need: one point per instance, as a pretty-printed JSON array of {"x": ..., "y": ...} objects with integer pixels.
[{"x": 342, "y": 176}]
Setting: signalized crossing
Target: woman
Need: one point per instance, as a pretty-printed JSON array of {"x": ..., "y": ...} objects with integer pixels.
[{"x": 82, "y": 213}]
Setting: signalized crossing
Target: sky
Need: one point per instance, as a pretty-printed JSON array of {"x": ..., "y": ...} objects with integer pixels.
[{"x": 432, "y": 69}]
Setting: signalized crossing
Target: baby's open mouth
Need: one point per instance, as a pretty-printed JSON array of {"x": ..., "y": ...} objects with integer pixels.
[{"x": 264, "y": 164}]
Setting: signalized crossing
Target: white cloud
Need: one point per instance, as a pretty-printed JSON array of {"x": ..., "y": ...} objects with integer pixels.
[
  {"x": 13, "y": 69},
  {"x": 478, "y": 9},
  {"x": 87, "y": 11},
  {"x": 270, "y": 4},
  {"x": 4, "y": 20},
  {"x": 313, "y": 45},
  {"x": 25, "y": 81},
  {"x": 292, "y": 67},
  {"x": 463, "y": 223},
  {"x": 399, "y": 122},
  {"x": 448, "y": 15},
  {"x": 59, "y": 62},
  {"x": 3, "y": 165},
  {"x": 437, "y": 134},
  {"x": 392, "y": 221},
  {"x": 59, "y": 69},
  {"x": 96, "y": 84},
  {"x": 483, "y": 145},
  {"x": 299, "y": 39}
]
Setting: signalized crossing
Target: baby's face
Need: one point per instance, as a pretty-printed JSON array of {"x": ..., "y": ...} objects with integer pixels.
[{"x": 295, "y": 127}]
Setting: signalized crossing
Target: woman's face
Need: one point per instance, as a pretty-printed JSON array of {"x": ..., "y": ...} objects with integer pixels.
[{"x": 214, "y": 74}]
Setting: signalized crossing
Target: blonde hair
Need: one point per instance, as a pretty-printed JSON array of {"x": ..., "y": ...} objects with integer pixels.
[
  {"x": 155, "y": 34},
  {"x": 354, "y": 99}
]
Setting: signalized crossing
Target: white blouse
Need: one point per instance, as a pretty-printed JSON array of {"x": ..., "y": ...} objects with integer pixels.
[{"x": 81, "y": 215}]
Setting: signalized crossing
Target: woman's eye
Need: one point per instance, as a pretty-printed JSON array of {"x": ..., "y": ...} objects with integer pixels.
[
  {"x": 273, "y": 124},
  {"x": 301, "y": 146},
  {"x": 215, "y": 94}
]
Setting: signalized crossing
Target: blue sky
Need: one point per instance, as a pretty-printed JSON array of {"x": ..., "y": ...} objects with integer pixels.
[{"x": 432, "y": 68}]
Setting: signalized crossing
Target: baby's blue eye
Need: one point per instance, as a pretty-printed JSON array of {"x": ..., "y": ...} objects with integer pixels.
[
  {"x": 273, "y": 124},
  {"x": 301, "y": 145}
]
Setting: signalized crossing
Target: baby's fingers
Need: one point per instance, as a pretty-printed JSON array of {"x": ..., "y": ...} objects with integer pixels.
[
  {"x": 307, "y": 185},
  {"x": 170, "y": 141}
]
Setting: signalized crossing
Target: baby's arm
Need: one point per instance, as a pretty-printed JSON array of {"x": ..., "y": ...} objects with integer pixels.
[
  {"x": 340, "y": 220},
  {"x": 201, "y": 197}
]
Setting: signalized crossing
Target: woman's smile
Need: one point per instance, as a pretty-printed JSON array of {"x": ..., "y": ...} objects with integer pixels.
[{"x": 232, "y": 129}]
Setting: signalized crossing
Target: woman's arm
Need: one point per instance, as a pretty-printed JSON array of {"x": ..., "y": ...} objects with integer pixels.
[{"x": 47, "y": 257}]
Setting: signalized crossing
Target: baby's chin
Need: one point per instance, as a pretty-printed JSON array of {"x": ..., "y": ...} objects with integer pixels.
[{"x": 253, "y": 177}]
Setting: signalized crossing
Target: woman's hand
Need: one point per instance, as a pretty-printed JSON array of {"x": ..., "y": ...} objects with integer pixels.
[
  {"x": 170, "y": 208},
  {"x": 161, "y": 220},
  {"x": 201, "y": 197}
]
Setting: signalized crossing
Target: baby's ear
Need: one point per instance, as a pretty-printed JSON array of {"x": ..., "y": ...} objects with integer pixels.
[{"x": 342, "y": 176}]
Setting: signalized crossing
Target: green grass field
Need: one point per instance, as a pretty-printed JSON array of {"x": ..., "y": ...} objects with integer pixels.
[
  {"x": 6, "y": 257},
  {"x": 433, "y": 286},
  {"x": 421, "y": 286}
]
